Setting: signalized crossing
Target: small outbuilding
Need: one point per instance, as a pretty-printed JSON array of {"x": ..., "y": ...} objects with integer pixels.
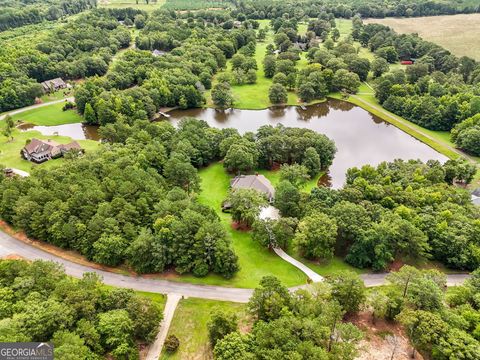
[
  {"x": 159, "y": 52},
  {"x": 53, "y": 85}
]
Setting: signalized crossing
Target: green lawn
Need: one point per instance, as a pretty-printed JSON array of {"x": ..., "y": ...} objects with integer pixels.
[
  {"x": 158, "y": 299},
  {"x": 49, "y": 115},
  {"x": 10, "y": 150},
  {"x": 327, "y": 267},
  {"x": 57, "y": 95},
  {"x": 255, "y": 261},
  {"x": 189, "y": 324}
]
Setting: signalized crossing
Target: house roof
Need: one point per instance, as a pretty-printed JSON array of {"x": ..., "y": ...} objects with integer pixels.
[
  {"x": 257, "y": 182},
  {"x": 38, "y": 146},
  {"x": 57, "y": 82},
  {"x": 476, "y": 200},
  {"x": 70, "y": 146},
  {"x": 476, "y": 192}
]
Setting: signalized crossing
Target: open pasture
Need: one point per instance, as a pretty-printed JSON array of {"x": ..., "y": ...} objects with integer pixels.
[{"x": 460, "y": 34}]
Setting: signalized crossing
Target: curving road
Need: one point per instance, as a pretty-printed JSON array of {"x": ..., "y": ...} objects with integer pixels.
[{"x": 12, "y": 246}]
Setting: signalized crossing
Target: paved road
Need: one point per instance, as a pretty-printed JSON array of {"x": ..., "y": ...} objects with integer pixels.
[
  {"x": 18, "y": 111},
  {"x": 11, "y": 246}
]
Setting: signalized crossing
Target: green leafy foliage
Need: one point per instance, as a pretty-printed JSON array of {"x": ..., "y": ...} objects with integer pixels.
[{"x": 78, "y": 316}]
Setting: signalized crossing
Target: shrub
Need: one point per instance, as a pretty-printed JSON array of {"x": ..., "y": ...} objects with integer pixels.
[{"x": 172, "y": 343}]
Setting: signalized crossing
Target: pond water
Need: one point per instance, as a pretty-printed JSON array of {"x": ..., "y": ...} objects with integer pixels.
[
  {"x": 360, "y": 137},
  {"x": 77, "y": 131}
]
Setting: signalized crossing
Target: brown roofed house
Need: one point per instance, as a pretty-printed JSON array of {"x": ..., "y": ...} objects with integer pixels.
[
  {"x": 39, "y": 151},
  {"x": 53, "y": 85}
]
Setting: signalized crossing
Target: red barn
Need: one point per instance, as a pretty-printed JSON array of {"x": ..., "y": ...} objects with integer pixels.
[{"x": 406, "y": 62}]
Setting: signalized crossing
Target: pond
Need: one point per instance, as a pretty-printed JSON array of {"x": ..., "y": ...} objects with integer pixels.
[
  {"x": 360, "y": 137},
  {"x": 77, "y": 131}
]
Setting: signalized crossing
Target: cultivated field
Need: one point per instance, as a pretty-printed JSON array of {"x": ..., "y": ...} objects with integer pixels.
[
  {"x": 458, "y": 33},
  {"x": 140, "y": 4}
]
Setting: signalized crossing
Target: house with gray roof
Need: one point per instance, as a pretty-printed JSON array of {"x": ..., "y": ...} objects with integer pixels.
[
  {"x": 53, "y": 85},
  {"x": 257, "y": 182}
]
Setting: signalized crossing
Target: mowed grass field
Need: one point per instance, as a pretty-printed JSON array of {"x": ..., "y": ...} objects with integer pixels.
[
  {"x": 49, "y": 115},
  {"x": 10, "y": 149},
  {"x": 458, "y": 33},
  {"x": 189, "y": 324}
]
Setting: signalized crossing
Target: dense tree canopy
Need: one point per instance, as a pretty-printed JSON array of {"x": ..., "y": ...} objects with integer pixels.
[
  {"x": 81, "y": 315},
  {"x": 82, "y": 47},
  {"x": 129, "y": 203},
  {"x": 304, "y": 325},
  {"x": 16, "y": 13}
]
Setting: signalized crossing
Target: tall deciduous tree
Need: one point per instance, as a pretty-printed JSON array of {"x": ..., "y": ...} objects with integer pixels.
[
  {"x": 315, "y": 237},
  {"x": 245, "y": 205}
]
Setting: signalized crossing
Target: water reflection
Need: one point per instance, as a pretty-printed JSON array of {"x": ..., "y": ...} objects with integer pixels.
[
  {"x": 361, "y": 138},
  {"x": 76, "y": 131}
]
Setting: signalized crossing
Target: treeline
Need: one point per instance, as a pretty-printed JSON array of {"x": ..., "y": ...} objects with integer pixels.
[
  {"x": 81, "y": 317},
  {"x": 397, "y": 211},
  {"x": 140, "y": 83},
  {"x": 83, "y": 47},
  {"x": 437, "y": 92},
  {"x": 16, "y": 13},
  {"x": 264, "y": 9},
  {"x": 130, "y": 203}
]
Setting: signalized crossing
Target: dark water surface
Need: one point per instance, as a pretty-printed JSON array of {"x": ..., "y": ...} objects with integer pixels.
[
  {"x": 77, "y": 131},
  {"x": 360, "y": 137}
]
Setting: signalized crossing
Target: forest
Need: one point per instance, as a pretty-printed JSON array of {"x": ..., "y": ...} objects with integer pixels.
[
  {"x": 400, "y": 210},
  {"x": 134, "y": 200},
  {"x": 317, "y": 323},
  {"x": 155, "y": 199},
  {"x": 195, "y": 49},
  {"x": 16, "y": 13},
  {"x": 264, "y": 9},
  {"x": 82, "y": 47},
  {"x": 39, "y": 302}
]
